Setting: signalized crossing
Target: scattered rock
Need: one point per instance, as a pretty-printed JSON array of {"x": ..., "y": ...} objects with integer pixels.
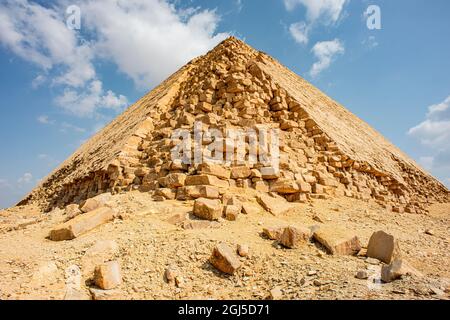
[
  {"x": 294, "y": 237},
  {"x": 72, "y": 210},
  {"x": 383, "y": 247},
  {"x": 362, "y": 274},
  {"x": 274, "y": 205},
  {"x": 243, "y": 250},
  {"x": 337, "y": 241},
  {"x": 81, "y": 224},
  {"x": 429, "y": 232},
  {"x": 170, "y": 273},
  {"x": 276, "y": 293},
  {"x": 96, "y": 202},
  {"x": 224, "y": 259},
  {"x": 108, "y": 275},
  {"x": 208, "y": 209},
  {"x": 250, "y": 208},
  {"x": 177, "y": 218},
  {"x": 98, "y": 294},
  {"x": 273, "y": 233},
  {"x": 231, "y": 212}
]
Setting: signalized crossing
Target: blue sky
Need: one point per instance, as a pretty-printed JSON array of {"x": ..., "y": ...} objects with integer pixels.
[{"x": 60, "y": 85}]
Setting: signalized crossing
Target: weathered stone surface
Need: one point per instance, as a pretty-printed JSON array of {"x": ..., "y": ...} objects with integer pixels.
[
  {"x": 208, "y": 209},
  {"x": 243, "y": 250},
  {"x": 285, "y": 186},
  {"x": 241, "y": 172},
  {"x": 167, "y": 193},
  {"x": 177, "y": 218},
  {"x": 215, "y": 170},
  {"x": 173, "y": 180},
  {"x": 72, "y": 210},
  {"x": 337, "y": 241},
  {"x": 273, "y": 233},
  {"x": 114, "y": 294},
  {"x": 231, "y": 212},
  {"x": 274, "y": 205},
  {"x": 81, "y": 224},
  {"x": 96, "y": 202},
  {"x": 206, "y": 180},
  {"x": 194, "y": 192},
  {"x": 250, "y": 208},
  {"x": 199, "y": 224},
  {"x": 269, "y": 173},
  {"x": 294, "y": 237},
  {"x": 224, "y": 259},
  {"x": 383, "y": 247},
  {"x": 108, "y": 275}
]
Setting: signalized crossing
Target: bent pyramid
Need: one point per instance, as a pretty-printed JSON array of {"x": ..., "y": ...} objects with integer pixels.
[{"x": 326, "y": 151}]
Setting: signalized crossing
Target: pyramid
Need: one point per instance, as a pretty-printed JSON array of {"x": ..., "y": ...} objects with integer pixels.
[{"x": 325, "y": 150}]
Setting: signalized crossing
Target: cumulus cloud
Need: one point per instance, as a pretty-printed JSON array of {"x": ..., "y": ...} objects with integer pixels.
[
  {"x": 434, "y": 133},
  {"x": 330, "y": 10},
  {"x": 25, "y": 179},
  {"x": 44, "y": 119},
  {"x": 136, "y": 35},
  {"x": 326, "y": 12},
  {"x": 91, "y": 99},
  {"x": 154, "y": 30},
  {"x": 325, "y": 52},
  {"x": 300, "y": 32}
]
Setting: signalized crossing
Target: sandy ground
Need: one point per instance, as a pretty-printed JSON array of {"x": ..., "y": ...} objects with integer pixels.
[{"x": 33, "y": 267}]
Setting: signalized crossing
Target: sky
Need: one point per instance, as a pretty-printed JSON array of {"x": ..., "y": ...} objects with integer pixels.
[{"x": 67, "y": 68}]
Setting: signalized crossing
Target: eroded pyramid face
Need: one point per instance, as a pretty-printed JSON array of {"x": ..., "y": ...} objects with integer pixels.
[{"x": 235, "y": 118}]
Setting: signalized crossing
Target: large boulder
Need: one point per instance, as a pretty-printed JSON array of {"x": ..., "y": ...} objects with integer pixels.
[
  {"x": 274, "y": 205},
  {"x": 96, "y": 202},
  {"x": 383, "y": 246},
  {"x": 206, "y": 179},
  {"x": 215, "y": 170}
]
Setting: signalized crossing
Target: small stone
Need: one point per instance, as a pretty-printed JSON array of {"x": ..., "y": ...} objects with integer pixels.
[
  {"x": 250, "y": 208},
  {"x": 224, "y": 259},
  {"x": 95, "y": 202},
  {"x": 243, "y": 250},
  {"x": 276, "y": 293},
  {"x": 72, "y": 210},
  {"x": 107, "y": 275},
  {"x": 372, "y": 261},
  {"x": 274, "y": 205},
  {"x": 317, "y": 283},
  {"x": 362, "y": 274},
  {"x": 311, "y": 273},
  {"x": 170, "y": 274},
  {"x": 430, "y": 232},
  {"x": 241, "y": 172},
  {"x": 98, "y": 294}
]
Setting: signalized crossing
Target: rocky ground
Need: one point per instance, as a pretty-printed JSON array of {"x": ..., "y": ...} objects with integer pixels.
[{"x": 145, "y": 245}]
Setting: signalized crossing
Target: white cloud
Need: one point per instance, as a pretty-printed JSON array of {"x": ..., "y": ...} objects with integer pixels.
[
  {"x": 44, "y": 119},
  {"x": 66, "y": 127},
  {"x": 300, "y": 32},
  {"x": 25, "y": 179},
  {"x": 330, "y": 10},
  {"x": 371, "y": 42},
  {"x": 154, "y": 31},
  {"x": 434, "y": 133},
  {"x": 325, "y": 52},
  {"x": 38, "y": 81},
  {"x": 326, "y": 12},
  {"x": 88, "y": 101}
]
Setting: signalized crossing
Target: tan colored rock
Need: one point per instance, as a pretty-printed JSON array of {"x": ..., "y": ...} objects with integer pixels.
[
  {"x": 173, "y": 180},
  {"x": 241, "y": 172},
  {"x": 96, "y": 202},
  {"x": 269, "y": 173},
  {"x": 81, "y": 224},
  {"x": 108, "y": 275},
  {"x": 338, "y": 241},
  {"x": 114, "y": 294},
  {"x": 208, "y": 209},
  {"x": 199, "y": 224},
  {"x": 274, "y": 205},
  {"x": 215, "y": 170},
  {"x": 195, "y": 192},
  {"x": 167, "y": 193},
  {"x": 206, "y": 180},
  {"x": 294, "y": 237},
  {"x": 170, "y": 273},
  {"x": 383, "y": 246},
  {"x": 250, "y": 208},
  {"x": 231, "y": 212},
  {"x": 224, "y": 259},
  {"x": 243, "y": 250},
  {"x": 72, "y": 210},
  {"x": 261, "y": 186},
  {"x": 273, "y": 233},
  {"x": 285, "y": 186},
  {"x": 276, "y": 294},
  {"x": 177, "y": 218}
]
